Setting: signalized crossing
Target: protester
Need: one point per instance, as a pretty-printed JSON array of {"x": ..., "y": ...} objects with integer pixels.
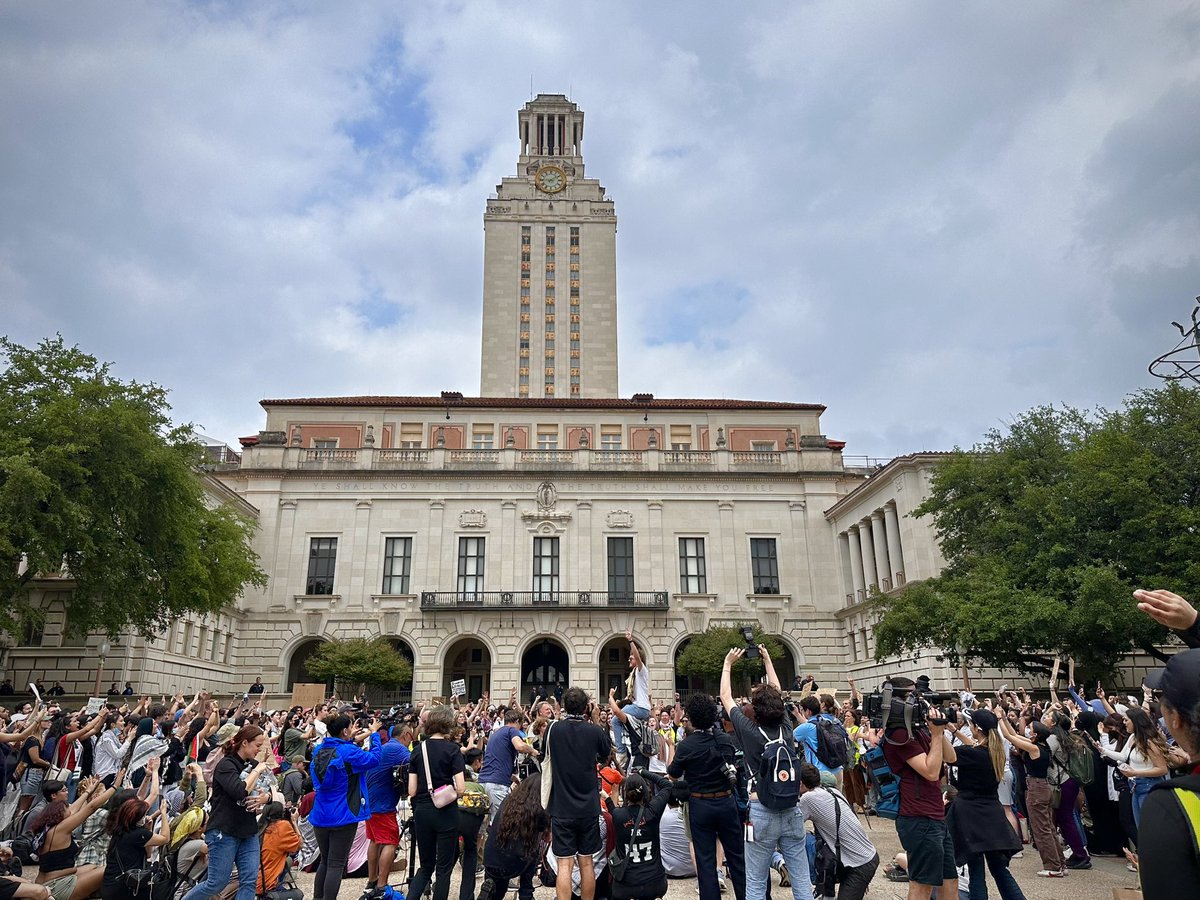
[
  {"x": 574, "y": 747},
  {"x": 706, "y": 759},
  {"x": 638, "y": 694},
  {"x": 772, "y": 805},
  {"x": 383, "y": 796},
  {"x": 58, "y": 866},
  {"x": 232, "y": 835},
  {"x": 834, "y": 820},
  {"x": 338, "y": 774},
  {"x": 635, "y": 824},
  {"x": 438, "y": 765},
  {"x": 130, "y": 844},
  {"x": 279, "y": 839},
  {"x": 1170, "y": 820},
  {"x": 981, "y": 832},
  {"x": 513, "y": 848},
  {"x": 500, "y": 758}
]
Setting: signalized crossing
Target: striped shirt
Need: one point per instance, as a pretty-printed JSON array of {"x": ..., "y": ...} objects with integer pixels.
[{"x": 817, "y": 806}]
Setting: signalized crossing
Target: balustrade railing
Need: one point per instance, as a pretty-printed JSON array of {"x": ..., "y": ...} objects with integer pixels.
[{"x": 434, "y": 600}]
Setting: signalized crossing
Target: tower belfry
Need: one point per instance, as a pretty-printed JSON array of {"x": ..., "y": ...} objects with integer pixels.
[{"x": 549, "y": 267}]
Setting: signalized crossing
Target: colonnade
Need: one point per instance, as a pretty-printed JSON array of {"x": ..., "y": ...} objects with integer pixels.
[{"x": 871, "y": 554}]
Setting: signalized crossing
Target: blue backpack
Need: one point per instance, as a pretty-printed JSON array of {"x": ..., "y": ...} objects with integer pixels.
[{"x": 886, "y": 783}]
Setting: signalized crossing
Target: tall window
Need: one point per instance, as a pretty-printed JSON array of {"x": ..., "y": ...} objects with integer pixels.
[
  {"x": 470, "y": 565},
  {"x": 397, "y": 564},
  {"x": 545, "y": 565},
  {"x": 692, "y": 578},
  {"x": 620, "y": 568},
  {"x": 764, "y": 565},
  {"x": 322, "y": 554}
]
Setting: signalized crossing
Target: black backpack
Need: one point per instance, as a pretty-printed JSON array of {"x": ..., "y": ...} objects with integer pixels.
[
  {"x": 827, "y": 865},
  {"x": 833, "y": 744},
  {"x": 777, "y": 783}
]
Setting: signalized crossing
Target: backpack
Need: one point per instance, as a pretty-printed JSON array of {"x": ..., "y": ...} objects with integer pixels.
[
  {"x": 887, "y": 805},
  {"x": 640, "y": 738},
  {"x": 475, "y": 799},
  {"x": 776, "y": 783},
  {"x": 833, "y": 744},
  {"x": 1081, "y": 762}
]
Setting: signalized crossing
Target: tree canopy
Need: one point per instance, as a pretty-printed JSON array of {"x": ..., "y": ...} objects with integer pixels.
[
  {"x": 705, "y": 654},
  {"x": 361, "y": 662},
  {"x": 1048, "y": 527},
  {"x": 94, "y": 476}
]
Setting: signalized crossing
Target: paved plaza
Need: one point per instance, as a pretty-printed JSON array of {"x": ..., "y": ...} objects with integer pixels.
[{"x": 1097, "y": 883}]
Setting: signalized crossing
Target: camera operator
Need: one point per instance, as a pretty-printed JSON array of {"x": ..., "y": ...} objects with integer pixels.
[
  {"x": 918, "y": 759},
  {"x": 705, "y": 759}
]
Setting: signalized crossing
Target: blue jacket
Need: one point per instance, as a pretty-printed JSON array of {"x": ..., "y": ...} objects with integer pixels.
[{"x": 339, "y": 799}]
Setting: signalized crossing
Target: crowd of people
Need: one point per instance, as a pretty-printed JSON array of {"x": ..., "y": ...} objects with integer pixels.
[{"x": 605, "y": 797}]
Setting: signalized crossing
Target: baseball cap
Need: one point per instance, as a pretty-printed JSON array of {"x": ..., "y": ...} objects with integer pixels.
[
  {"x": 1179, "y": 680},
  {"x": 18, "y": 717}
]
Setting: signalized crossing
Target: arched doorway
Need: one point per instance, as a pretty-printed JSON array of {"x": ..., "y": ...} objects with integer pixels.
[
  {"x": 785, "y": 665},
  {"x": 297, "y": 672},
  {"x": 614, "y": 666},
  {"x": 689, "y": 684},
  {"x": 468, "y": 659},
  {"x": 545, "y": 669}
]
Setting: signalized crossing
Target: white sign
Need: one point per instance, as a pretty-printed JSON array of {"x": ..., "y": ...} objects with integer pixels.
[
  {"x": 95, "y": 704},
  {"x": 458, "y": 687}
]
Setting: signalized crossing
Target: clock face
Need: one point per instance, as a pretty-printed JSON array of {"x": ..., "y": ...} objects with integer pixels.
[{"x": 551, "y": 179}]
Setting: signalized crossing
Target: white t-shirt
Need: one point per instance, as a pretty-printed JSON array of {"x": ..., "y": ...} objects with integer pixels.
[
  {"x": 641, "y": 686},
  {"x": 673, "y": 845}
]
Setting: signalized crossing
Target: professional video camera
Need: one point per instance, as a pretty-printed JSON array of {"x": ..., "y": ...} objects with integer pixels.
[{"x": 907, "y": 706}]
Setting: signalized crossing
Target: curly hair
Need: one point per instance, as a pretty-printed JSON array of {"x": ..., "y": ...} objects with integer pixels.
[
  {"x": 768, "y": 705},
  {"x": 522, "y": 820},
  {"x": 701, "y": 711}
]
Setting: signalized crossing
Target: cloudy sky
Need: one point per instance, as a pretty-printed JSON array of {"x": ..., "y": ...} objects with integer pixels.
[{"x": 927, "y": 216}]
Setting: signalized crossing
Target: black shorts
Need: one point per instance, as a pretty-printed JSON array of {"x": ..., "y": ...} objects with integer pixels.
[
  {"x": 575, "y": 837},
  {"x": 930, "y": 849}
]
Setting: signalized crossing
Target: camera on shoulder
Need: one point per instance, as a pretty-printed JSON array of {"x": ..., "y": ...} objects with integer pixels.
[{"x": 904, "y": 703}]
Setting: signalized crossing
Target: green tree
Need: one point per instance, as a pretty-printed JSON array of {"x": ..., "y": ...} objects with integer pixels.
[
  {"x": 1048, "y": 527},
  {"x": 361, "y": 662},
  {"x": 93, "y": 475},
  {"x": 705, "y": 654}
]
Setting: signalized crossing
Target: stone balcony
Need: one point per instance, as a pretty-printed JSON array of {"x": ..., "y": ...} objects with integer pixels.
[{"x": 301, "y": 459}]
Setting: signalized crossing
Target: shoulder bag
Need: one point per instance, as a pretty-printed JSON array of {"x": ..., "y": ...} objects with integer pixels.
[
  {"x": 281, "y": 893},
  {"x": 443, "y": 796},
  {"x": 57, "y": 772},
  {"x": 547, "y": 768},
  {"x": 142, "y": 882},
  {"x": 618, "y": 860}
]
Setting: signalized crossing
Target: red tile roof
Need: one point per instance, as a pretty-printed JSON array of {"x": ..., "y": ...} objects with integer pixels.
[{"x": 543, "y": 403}]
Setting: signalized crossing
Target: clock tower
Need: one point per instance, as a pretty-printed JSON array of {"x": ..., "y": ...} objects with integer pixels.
[{"x": 550, "y": 267}]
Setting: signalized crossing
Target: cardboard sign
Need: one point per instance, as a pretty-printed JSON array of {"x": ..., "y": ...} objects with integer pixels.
[
  {"x": 458, "y": 687},
  {"x": 308, "y": 695},
  {"x": 95, "y": 704}
]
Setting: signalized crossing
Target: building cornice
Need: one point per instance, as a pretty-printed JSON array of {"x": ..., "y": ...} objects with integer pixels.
[
  {"x": 880, "y": 477},
  {"x": 559, "y": 403}
]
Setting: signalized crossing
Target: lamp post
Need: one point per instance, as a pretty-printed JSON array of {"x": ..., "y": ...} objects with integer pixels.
[{"x": 102, "y": 651}]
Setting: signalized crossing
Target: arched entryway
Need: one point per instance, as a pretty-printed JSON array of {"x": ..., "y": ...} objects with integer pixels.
[
  {"x": 785, "y": 664},
  {"x": 468, "y": 659},
  {"x": 687, "y": 684},
  {"x": 614, "y": 666},
  {"x": 297, "y": 672},
  {"x": 545, "y": 669}
]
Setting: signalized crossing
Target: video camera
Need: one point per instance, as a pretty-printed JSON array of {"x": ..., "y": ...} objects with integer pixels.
[{"x": 907, "y": 707}]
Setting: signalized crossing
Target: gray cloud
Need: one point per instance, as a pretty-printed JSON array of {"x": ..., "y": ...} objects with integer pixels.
[{"x": 928, "y": 219}]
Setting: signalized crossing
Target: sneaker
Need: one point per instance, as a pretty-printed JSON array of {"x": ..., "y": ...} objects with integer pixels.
[
  {"x": 1052, "y": 873},
  {"x": 785, "y": 879},
  {"x": 1075, "y": 863},
  {"x": 721, "y": 883},
  {"x": 893, "y": 872},
  {"x": 1131, "y": 867},
  {"x": 1020, "y": 854}
]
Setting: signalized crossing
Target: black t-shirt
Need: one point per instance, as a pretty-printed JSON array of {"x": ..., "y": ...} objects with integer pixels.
[
  {"x": 29, "y": 744},
  {"x": 445, "y": 761},
  {"x": 645, "y": 868},
  {"x": 751, "y": 738},
  {"x": 699, "y": 759},
  {"x": 575, "y": 747},
  {"x": 1037, "y": 768},
  {"x": 126, "y": 852},
  {"x": 975, "y": 773}
]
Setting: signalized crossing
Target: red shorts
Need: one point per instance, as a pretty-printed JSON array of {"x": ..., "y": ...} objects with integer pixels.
[{"x": 382, "y": 828}]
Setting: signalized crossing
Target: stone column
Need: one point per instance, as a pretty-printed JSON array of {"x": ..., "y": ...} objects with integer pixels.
[
  {"x": 843, "y": 551},
  {"x": 656, "y": 564},
  {"x": 881, "y": 554},
  {"x": 731, "y": 570},
  {"x": 435, "y": 557},
  {"x": 284, "y": 549},
  {"x": 856, "y": 566},
  {"x": 581, "y": 551},
  {"x": 895, "y": 552},
  {"x": 868, "y": 554}
]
